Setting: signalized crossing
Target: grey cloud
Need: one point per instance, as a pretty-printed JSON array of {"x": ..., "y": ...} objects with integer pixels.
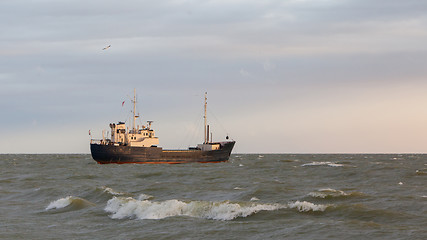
[{"x": 52, "y": 67}]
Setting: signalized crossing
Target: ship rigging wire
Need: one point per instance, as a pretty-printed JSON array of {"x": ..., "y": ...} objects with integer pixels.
[{"x": 219, "y": 122}]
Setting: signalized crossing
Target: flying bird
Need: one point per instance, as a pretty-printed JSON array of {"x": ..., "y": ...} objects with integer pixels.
[{"x": 107, "y": 47}]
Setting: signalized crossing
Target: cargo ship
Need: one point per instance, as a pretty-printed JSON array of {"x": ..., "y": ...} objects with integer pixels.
[{"x": 140, "y": 145}]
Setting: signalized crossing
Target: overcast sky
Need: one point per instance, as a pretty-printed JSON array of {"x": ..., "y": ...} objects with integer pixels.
[{"x": 285, "y": 76}]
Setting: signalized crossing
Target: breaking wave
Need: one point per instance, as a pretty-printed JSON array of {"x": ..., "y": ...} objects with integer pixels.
[
  {"x": 308, "y": 206},
  {"x": 111, "y": 191},
  {"x": 71, "y": 202},
  {"x": 144, "y": 209},
  {"x": 122, "y": 207},
  {"x": 332, "y": 193},
  {"x": 143, "y": 196},
  {"x": 330, "y": 164}
]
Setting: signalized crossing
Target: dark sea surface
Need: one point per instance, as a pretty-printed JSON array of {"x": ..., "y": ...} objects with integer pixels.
[{"x": 269, "y": 196}]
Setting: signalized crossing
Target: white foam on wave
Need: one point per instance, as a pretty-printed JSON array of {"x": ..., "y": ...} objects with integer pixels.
[
  {"x": 308, "y": 206},
  {"x": 111, "y": 191},
  {"x": 330, "y": 164},
  {"x": 60, "y": 203},
  {"x": 328, "y": 192},
  {"x": 75, "y": 203},
  {"x": 121, "y": 207},
  {"x": 143, "y": 196}
]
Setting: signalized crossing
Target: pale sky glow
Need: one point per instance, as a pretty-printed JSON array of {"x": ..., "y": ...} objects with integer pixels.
[{"x": 283, "y": 76}]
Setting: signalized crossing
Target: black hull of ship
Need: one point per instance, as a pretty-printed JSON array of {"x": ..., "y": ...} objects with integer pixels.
[{"x": 105, "y": 154}]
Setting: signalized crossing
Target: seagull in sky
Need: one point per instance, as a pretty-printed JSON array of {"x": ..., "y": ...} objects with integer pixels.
[{"x": 107, "y": 47}]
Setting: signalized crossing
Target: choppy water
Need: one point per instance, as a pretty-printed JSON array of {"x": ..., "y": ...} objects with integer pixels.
[{"x": 277, "y": 196}]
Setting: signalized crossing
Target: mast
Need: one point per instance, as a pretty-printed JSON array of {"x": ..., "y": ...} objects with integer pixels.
[
  {"x": 134, "y": 109},
  {"x": 206, "y": 102}
]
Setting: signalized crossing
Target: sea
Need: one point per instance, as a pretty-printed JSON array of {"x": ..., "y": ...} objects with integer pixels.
[{"x": 252, "y": 196}]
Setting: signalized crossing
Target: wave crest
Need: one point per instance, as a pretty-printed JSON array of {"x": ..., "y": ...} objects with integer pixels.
[
  {"x": 332, "y": 193},
  {"x": 74, "y": 203},
  {"x": 308, "y": 206},
  {"x": 421, "y": 171},
  {"x": 110, "y": 191},
  {"x": 330, "y": 164},
  {"x": 121, "y": 207}
]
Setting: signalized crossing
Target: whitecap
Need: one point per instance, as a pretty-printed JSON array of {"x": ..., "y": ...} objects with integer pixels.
[
  {"x": 60, "y": 203},
  {"x": 143, "y": 196},
  {"x": 336, "y": 165},
  {"x": 308, "y": 206},
  {"x": 327, "y": 192},
  {"x": 240, "y": 165},
  {"x": 331, "y": 164},
  {"x": 121, "y": 208},
  {"x": 317, "y": 195},
  {"x": 254, "y": 199},
  {"x": 238, "y": 188},
  {"x": 111, "y": 191},
  {"x": 333, "y": 193},
  {"x": 331, "y": 190},
  {"x": 75, "y": 203}
]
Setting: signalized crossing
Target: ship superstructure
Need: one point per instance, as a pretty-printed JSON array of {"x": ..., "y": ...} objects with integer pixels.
[{"x": 136, "y": 136}]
